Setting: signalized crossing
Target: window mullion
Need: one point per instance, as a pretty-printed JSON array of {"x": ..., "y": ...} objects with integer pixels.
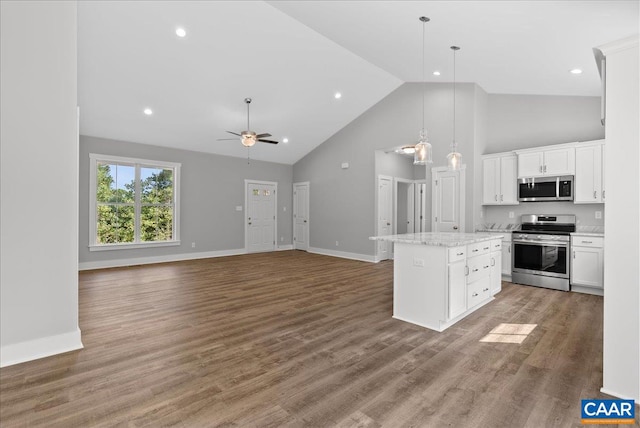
[{"x": 137, "y": 210}]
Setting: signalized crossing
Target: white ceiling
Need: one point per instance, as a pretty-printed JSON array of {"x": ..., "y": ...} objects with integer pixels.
[{"x": 292, "y": 56}]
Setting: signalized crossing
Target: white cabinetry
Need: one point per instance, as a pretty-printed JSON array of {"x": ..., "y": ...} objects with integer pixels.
[
  {"x": 587, "y": 264},
  {"x": 506, "y": 255},
  {"x": 500, "y": 177},
  {"x": 496, "y": 266},
  {"x": 457, "y": 281},
  {"x": 540, "y": 163},
  {"x": 589, "y": 180}
]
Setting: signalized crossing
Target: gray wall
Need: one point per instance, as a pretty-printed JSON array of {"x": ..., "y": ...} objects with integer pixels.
[
  {"x": 524, "y": 121},
  {"x": 211, "y": 187},
  {"x": 342, "y": 202},
  {"x": 39, "y": 170}
]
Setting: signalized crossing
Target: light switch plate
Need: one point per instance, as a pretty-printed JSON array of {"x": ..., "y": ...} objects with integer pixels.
[
  {"x": 598, "y": 214},
  {"x": 238, "y": 207},
  {"x": 511, "y": 214}
]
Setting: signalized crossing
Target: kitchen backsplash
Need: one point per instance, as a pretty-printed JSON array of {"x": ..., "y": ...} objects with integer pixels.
[{"x": 585, "y": 213}]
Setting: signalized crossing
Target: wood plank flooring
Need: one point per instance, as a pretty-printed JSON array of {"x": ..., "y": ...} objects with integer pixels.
[{"x": 297, "y": 339}]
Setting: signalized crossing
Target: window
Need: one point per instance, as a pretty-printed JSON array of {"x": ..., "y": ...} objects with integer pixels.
[{"x": 134, "y": 203}]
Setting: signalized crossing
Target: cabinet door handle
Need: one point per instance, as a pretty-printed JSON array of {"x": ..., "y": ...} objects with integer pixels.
[
  {"x": 603, "y": 194},
  {"x": 459, "y": 254},
  {"x": 485, "y": 289},
  {"x": 485, "y": 267},
  {"x": 540, "y": 168},
  {"x": 485, "y": 248},
  {"x": 587, "y": 242},
  {"x": 476, "y": 270},
  {"x": 493, "y": 261},
  {"x": 545, "y": 168},
  {"x": 475, "y": 251},
  {"x": 496, "y": 196},
  {"x": 466, "y": 271},
  {"x": 501, "y": 198},
  {"x": 574, "y": 254},
  {"x": 595, "y": 194},
  {"x": 474, "y": 295}
]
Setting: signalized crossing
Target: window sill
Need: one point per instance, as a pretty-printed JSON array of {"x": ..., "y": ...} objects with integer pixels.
[{"x": 128, "y": 246}]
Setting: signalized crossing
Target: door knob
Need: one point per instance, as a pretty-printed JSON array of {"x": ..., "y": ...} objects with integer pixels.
[
  {"x": 388, "y": 224},
  {"x": 249, "y": 223},
  {"x": 455, "y": 227},
  {"x": 305, "y": 221}
]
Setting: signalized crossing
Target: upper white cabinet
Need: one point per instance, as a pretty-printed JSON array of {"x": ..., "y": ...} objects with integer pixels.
[
  {"x": 540, "y": 163},
  {"x": 500, "y": 179},
  {"x": 589, "y": 180}
]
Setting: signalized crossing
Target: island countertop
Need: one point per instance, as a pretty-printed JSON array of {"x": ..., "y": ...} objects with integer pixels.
[{"x": 438, "y": 239}]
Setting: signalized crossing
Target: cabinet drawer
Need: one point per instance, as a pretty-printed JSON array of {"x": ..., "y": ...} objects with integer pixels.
[
  {"x": 478, "y": 248},
  {"x": 479, "y": 267},
  {"x": 496, "y": 245},
  {"x": 587, "y": 241},
  {"x": 457, "y": 253},
  {"x": 478, "y": 291}
]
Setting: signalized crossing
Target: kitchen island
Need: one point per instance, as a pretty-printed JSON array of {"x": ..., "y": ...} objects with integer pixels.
[{"x": 440, "y": 278}]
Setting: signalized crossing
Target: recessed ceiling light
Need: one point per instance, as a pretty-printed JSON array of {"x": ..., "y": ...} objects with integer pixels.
[
  {"x": 148, "y": 111},
  {"x": 338, "y": 95},
  {"x": 181, "y": 32},
  {"x": 575, "y": 71},
  {"x": 285, "y": 140},
  {"x": 436, "y": 73}
]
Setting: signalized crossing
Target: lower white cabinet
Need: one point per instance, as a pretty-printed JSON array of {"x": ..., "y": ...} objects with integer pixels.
[
  {"x": 587, "y": 262},
  {"x": 506, "y": 255},
  {"x": 457, "y": 288},
  {"x": 496, "y": 266}
]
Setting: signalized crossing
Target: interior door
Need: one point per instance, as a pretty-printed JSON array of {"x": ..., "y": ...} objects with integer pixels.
[
  {"x": 261, "y": 217},
  {"x": 301, "y": 216},
  {"x": 410, "y": 208},
  {"x": 448, "y": 200},
  {"x": 385, "y": 208}
]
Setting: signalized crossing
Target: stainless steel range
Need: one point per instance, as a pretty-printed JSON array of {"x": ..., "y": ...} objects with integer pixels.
[{"x": 541, "y": 251}]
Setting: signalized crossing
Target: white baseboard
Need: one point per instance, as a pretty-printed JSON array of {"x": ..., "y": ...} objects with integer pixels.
[
  {"x": 40, "y": 348},
  {"x": 617, "y": 394},
  {"x": 159, "y": 259},
  {"x": 343, "y": 254},
  {"x": 285, "y": 247}
]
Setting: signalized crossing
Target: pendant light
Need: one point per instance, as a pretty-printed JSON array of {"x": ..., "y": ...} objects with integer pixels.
[
  {"x": 423, "y": 150},
  {"x": 454, "y": 158}
]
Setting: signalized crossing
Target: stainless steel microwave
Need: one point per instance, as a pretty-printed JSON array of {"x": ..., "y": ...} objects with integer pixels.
[{"x": 535, "y": 189}]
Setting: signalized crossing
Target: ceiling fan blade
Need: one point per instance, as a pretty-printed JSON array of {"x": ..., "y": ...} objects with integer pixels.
[
  {"x": 234, "y": 133},
  {"x": 263, "y": 135},
  {"x": 268, "y": 141},
  {"x": 227, "y": 139}
]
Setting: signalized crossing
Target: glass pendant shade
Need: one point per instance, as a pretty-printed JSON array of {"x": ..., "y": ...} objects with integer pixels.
[
  {"x": 454, "y": 160},
  {"x": 424, "y": 152}
]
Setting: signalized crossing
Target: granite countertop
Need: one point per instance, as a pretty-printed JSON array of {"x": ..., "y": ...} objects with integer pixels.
[
  {"x": 599, "y": 234},
  {"x": 438, "y": 239},
  {"x": 589, "y": 231}
]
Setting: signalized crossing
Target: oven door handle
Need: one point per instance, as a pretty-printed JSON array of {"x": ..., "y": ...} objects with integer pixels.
[{"x": 543, "y": 243}]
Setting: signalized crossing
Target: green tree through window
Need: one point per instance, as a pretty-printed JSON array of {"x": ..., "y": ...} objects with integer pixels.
[{"x": 124, "y": 216}]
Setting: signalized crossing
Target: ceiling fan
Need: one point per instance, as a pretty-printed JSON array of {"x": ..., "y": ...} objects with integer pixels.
[{"x": 249, "y": 138}]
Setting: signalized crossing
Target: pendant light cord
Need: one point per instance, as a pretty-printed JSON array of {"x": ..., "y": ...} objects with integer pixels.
[
  {"x": 424, "y": 83},
  {"x": 454, "y": 100}
]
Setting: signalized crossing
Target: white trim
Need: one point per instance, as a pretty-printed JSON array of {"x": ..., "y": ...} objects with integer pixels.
[
  {"x": 246, "y": 211},
  {"x": 39, "y": 348},
  {"x": 284, "y": 247},
  {"x": 343, "y": 255},
  {"x": 135, "y": 162},
  {"x": 378, "y": 244},
  {"x": 617, "y": 394},
  {"x": 132, "y": 246},
  {"x": 103, "y": 264},
  {"x": 630, "y": 42}
]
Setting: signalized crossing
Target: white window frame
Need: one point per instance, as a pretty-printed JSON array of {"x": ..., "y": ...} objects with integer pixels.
[{"x": 94, "y": 158}]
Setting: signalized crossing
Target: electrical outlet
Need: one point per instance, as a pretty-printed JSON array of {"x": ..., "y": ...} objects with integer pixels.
[
  {"x": 598, "y": 214},
  {"x": 284, "y": 209},
  {"x": 337, "y": 244},
  {"x": 418, "y": 262},
  {"x": 282, "y": 239},
  {"x": 193, "y": 245},
  {"x": 512, "y": 214}
]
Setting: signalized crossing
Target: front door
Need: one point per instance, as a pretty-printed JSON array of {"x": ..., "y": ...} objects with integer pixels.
[
  {"x": 447, "y": 200},
  {"x": 301, "y": 216},
  {"x": 260, "y": 222},
  {"x": 385, "y": 208}
]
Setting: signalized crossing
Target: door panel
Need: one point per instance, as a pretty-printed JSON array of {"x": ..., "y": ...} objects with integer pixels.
[
  {"x": 261, "y": 213},
  {"x": 384, "y": 216},
  {"x": 448, "y": 200},
  {"x": 301, "y": 216}
]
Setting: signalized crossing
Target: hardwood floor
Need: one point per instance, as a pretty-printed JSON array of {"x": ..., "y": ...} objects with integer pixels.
[{"x": 296, "y": 339}]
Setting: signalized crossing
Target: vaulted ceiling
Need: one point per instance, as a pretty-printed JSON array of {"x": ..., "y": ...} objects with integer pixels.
[{"x": 292, "y": 57}]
